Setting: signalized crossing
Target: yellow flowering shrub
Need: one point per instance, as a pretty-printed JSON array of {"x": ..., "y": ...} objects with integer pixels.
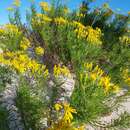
[
  {"x": 65, "y": 122},
  {"x": 10, "y": 29},
  {"x": 97, "y": 75},
  {"x": 10, "y": 36},
  {"x": 58, "y": 70},
  {"x": 92, "y": 36},
  {"x": 22, "y": 63},
  {"x": 40, "y": 20}
]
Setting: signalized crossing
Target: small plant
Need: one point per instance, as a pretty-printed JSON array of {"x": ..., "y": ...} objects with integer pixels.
[
  {"x": 94, "y": 89},
  {"x": 5, "y": 77},
  {"x": 31, "y": 106},
  {"x": 64, "y": 119},
  {"x": 3, "y": 119}
]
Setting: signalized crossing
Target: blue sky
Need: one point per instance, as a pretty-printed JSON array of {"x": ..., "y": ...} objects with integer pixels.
[{"x": 123, "y": 5}]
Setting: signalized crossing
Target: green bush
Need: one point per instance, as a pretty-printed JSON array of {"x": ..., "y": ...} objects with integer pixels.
[
  {"x": 89, "y": 100},
  {"x": 5, "y": 77},
  {"x": 31, "y": 107},
  {"x": 3, "y": 119}
]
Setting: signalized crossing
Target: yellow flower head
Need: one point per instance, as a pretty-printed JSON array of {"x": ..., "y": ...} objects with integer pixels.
[
  {"x": 25, "y": 44},
  {"x": 39, "y": 50},
  {"x": 44, "y": 6},
  {"x": 17, "y": 3},
  {"x": 10, "y": 9},
  {"x": 58, "y": 107},
  {"x": 58, "y": 70},
  {"x": 68, "y": 117},
  {"x": 60, "y": 21}
]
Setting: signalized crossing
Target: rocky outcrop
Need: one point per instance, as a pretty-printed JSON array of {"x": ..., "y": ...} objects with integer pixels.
[
  {"x": 8, "y": 102},
  {"x": 65, "y": 86}
]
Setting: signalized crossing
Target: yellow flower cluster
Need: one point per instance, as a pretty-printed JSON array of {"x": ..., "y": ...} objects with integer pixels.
[
  {"x": 125, "y": 40},
  {"x": 44, "y": 6},
  {"x": 17, "y": 3},
  {"x": 58, "y": 107},
  {"x": 24, "y": 44},
  {"x": 41, "y": 19},
  {"x": 92, "y": 36},
  {"x": 1, "y": 31},
  {"x": 22, "y": 63},
  {"x": 10, "y": 29},
  {"x": 80, "y": 29},
  {"x": 39, "y": 51},
  {"x": 80, "y": 15},
  {"x": 126, "y": 76},
  {"x": 58, "y": 70},
  {"x": 97, "y": 75},
  {"x": 44, "y": 17},
  {"x": 68, "y": 117},
  {"x": 65, "y": 122},
  {"x": 60, "y": 21},
  {"x": 10, "y": 9}
]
